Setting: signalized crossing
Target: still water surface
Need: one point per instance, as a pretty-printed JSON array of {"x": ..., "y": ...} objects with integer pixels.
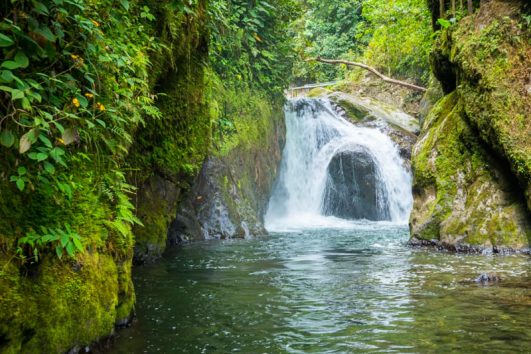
[{"x": 349, "y": 290}]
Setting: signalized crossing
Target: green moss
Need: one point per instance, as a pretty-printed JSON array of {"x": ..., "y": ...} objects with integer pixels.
[
  {"x": 354, "y": 112},
  {"x": 491, "y": 52},
  {"x": 318, "y": 92},
  {"x": 469, "y": 204},
  {"x": 56, "y": 305}
]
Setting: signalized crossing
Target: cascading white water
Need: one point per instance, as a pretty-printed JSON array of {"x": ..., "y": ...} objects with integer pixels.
[{"x": 315, "y": 135}]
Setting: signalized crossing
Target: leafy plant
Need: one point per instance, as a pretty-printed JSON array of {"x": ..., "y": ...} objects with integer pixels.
[{"x": 62, "y": 241}]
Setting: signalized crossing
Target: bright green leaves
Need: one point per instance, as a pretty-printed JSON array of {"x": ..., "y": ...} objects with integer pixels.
[
  {"x": 20, "y": 179},
  {"x": 19, "y": 61},
  {"x": 61, "y": 241},
  {"x": 5, "y": 41},
  {"x": 146, "y": 14},
  {"x": 251, "y": 43},
  {"x": 125, "y": 4},
  {"x": 48, "y": 167},
  {"x": 444, "y": 23}
]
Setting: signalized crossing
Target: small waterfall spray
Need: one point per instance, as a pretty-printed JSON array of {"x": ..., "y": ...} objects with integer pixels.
[{"x": 333, "y": 170}]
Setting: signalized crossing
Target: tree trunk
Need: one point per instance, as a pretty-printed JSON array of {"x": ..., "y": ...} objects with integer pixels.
[
  {"x": 470, "y": 6},
  {"x": 453, "y": 8},
  {"x": 441, "y": 8},
  {"x": 372, "y": 70}
]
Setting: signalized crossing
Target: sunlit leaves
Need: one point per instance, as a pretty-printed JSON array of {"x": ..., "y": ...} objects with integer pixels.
[{"x": 5, "y": 41}]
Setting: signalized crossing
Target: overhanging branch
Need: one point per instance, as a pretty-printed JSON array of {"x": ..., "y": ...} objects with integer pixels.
[{"x": 372, "y": 70}]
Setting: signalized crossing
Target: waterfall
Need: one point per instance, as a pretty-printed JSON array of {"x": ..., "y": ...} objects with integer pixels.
[{"x": 333, "y": 172}]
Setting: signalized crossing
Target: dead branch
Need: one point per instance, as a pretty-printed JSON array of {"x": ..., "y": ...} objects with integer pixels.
[{"x": 372, "y": 70}]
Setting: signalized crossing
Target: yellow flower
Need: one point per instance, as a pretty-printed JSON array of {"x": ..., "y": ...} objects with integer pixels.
[
  {"x": 75, "y": 57},
  {"x": 75, "y": 102},
  {"x": 95, "y": 23},
  {"x": 100, "y": 106},
  {"x": 89, "y": 95}
]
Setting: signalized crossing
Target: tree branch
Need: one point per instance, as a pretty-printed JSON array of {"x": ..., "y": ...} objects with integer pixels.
[{"x": 372, "y": 70}]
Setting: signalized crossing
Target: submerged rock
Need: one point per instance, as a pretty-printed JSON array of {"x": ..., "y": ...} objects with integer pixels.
[{"x": 489, "y": 277}]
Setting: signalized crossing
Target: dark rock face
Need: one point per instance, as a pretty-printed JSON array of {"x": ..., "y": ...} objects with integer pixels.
[
  {"x": 230, "y": 196},
  {"x": 352, "y": 189}
]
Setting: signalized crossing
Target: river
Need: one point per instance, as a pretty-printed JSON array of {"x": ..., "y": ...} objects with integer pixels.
[{"x": 353, "y": 289}]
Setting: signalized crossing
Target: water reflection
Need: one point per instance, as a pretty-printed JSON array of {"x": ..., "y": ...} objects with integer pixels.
[{"x": 328, "y": 291}]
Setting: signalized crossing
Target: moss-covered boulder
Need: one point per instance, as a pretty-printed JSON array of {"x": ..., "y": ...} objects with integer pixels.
[
  {"x": 465, "y": 198},
  {"x": 50, "y": 304},
  {"x": 472, "y": 162},
  {"x": 488, "y": 55}
]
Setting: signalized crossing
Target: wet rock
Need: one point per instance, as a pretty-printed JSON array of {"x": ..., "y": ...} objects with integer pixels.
[
  {"x": 399, "y": 126},
  {"x": 230, "y": 196},
  {"x": 353, "y": 190},
  {"x": 488, "y": 278}
]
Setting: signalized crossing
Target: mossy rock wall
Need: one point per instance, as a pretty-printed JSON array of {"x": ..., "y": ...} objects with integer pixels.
[
  {"x": 472, "y": 162},
  {"x": 230, "y": 196},
  {"x": 59, "y": 305},
  {"x": 169, "y": 152},
  {"x": 54, "y": 305}
]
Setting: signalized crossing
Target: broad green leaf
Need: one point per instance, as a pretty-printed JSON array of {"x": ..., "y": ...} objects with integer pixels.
[
  {"x": 7, "y": 138},
  {"x": 59, "y": 251},
  {"x": 48, "y": 167},
  {"x": 70, "y": 249},
  {"x": 82, "y": 101},
  {"x": 45, "y": 140},
  {"x": 32, "y": 155},
  {"x": 59, "y": 127},
  {"x": 41, "y": 156},
  {"x": 22, "y": 60},
  {"x": 64, "y": 239},
  {"x": 22, "y": 171},
  {"x": 78, "y": 243},
  {"x": 125, "y": 4},
  {"x": 9, "y": 64},
  {"x": 26, "y": 104},
  {"x": 20, "y": 184},
  {"x": 5, "y": 41},
  {"x": 17, "y": 94},
  {"x": 6, "y": 76}
]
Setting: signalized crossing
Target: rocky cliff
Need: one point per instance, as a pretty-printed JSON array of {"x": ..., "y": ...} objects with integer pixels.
[{"x": 472, "y": 162}]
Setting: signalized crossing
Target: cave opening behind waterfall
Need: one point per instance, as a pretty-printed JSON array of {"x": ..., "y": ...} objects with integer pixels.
[{"x": 333, "y": 171}]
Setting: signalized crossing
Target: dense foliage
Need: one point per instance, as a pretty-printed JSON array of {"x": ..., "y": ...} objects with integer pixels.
[
  {"x": 392, "y": 35},
  {"x": 251, "y": 42},
  {"x": 400, "y": 32},
  {"x": 328, "y": 30},
  {"x": 73, "y": 87}
]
